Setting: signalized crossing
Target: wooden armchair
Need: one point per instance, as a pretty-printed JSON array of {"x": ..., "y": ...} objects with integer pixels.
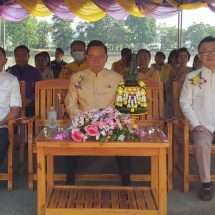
[
  {"x": 47, "y": 94},
  {"x": 155, "y": 117},
  {"x": 183, "y": 137},
  {"x": 19, "y": 140}
]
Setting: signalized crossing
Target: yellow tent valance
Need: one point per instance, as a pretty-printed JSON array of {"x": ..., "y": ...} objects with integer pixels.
[
  {"x": 85, "y": 9},
  {"x": 130, "y": 6},
  {"x": 35, "y": 7},
  {"x": 93, "y": 10},
  {"x": 187, "y": 6}
]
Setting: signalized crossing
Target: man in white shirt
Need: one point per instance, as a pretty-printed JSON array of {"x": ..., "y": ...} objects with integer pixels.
[
  {"x": 197, "y": 102},
  {"x": 10, "y": 103}
]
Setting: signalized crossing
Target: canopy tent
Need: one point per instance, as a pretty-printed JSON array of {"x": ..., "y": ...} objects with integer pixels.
[{"x": 93, "y": 10}]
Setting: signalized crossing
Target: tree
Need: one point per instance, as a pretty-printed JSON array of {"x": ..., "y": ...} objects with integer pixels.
[
  {"x": 62, "y": 33},
  {"x": 110, "y": 31},
  {"x": 24, "y": 32},
  {"x": 196, "y": 32},
  {"x": 141, "y": 31},
  {"x": 117, "y": 34},
  {"x": 168, "y": 37},
  {"x": 43, "y": 30},
  {"x": 81, "y": 31}
]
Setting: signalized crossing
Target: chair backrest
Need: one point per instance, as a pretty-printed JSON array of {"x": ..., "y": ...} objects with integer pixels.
[
  {"x": 177, "y": 87},
  {"x": 155, "y": 100},
  {"x": 50, "y": 93},
  {"x": 22, "y": 91}
]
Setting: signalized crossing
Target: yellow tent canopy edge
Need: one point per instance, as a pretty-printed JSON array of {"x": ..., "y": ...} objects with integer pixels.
[{"x": 35, "y": 8}]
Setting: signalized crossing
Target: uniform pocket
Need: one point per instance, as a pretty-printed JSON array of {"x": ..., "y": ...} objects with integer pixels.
[{"x": 5, "y": 97}]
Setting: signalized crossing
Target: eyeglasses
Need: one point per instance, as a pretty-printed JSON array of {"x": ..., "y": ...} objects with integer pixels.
[
  {"x": 93, "y": 58},
  {"x": 207, "y": 52}
]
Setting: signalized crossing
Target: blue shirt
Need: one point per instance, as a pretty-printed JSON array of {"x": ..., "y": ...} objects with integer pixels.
[{"x": 30, "y": 75}]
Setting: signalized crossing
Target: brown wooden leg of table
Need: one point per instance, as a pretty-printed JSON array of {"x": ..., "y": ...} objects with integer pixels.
[
  {"x": 41, "y": 182},
  {"x": 162, "y": 197},
  {"x": 154, "y": 176},
  {"x": 50, "y": 172}
]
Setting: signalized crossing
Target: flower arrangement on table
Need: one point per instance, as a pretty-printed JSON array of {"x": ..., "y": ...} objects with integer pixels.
[
  {"x": 103, "y": 125},
  {"x": 131, "y": 99},
  {"x": 198, "y": 80}
]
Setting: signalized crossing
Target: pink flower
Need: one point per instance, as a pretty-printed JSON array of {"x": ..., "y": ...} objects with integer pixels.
[
  {"x": 77, "y": 136},
  {"x": 62, "y": 136},
  {"x": 91, "y": 130}
]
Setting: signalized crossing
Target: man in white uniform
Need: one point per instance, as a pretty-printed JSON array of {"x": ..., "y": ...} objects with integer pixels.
[
  {"x": 197, "y": 102},
  {"x": 10, "y": 103}
]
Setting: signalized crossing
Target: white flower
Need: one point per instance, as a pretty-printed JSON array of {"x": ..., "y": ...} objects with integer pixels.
[
  {"x": 97, "y": 137},
  {"x": 81, "y": 121},
  {"x": 103, "y": 133},
  {"x": 121, "y": 137}
]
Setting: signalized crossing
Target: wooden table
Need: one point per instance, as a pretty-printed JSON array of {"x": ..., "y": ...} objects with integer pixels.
[{"x": 94, "y": 200}]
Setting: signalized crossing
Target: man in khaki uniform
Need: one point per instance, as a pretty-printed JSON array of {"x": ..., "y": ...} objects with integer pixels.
[
  {"x": 79, "y": 64},
  {"x": 121, "y": 66},
  {"x": 93, "y": 88}
]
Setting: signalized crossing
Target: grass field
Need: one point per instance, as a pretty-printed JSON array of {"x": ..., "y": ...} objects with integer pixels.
[{"x": 68, "y": 59}]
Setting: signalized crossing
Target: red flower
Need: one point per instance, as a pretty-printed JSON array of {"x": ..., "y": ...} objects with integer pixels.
[
  {"x": 77, "y": 136},
  {"x": 91, "y": 130}
]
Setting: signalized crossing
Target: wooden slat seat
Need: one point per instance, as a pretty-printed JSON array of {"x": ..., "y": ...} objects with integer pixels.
[{"x": 116, "y": 198}]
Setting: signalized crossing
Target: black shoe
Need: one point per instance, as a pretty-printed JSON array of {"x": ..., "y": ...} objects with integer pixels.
[
  {"x": 205, "y": 193},
  {"x": 126, "y": 181},
  {"x": 70, "y": 179}
]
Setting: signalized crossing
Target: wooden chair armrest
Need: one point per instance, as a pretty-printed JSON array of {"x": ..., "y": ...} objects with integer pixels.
[
  {"x": 29, "y": 120},
  {"x": 167, "y": 120},
  {"x": 176, "y": 119},
  {"x": 11, "y": 122},
  {"x": 185, "y": 121},
  {"x": 16, "y": 121}
]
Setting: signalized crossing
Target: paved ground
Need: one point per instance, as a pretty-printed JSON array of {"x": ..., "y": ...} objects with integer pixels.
[{"x": 23, "y": 202}]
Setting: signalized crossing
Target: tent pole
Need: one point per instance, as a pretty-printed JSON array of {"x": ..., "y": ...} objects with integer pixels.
[
  {"x": 4, "y": 44},
  {"x": 2, "y": 32},
  {"x": 180, "y": 21}
]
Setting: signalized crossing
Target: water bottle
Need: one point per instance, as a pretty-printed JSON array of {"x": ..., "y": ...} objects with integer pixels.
[{"x": 52, "y": 118}]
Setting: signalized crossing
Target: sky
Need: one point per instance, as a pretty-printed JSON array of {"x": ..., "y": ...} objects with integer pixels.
[{"x": 204, "y": 15}]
